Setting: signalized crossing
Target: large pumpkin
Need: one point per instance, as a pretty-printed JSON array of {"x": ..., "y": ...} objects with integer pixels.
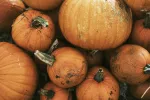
[
  {"x": 141, "y": 91},
  {"x": 95, "y": 24},
  {"x": 141, "y": 32},
  {"x": 43, "y": 4},
  {"x": 98, "y": 85},
  {"x": 33, "y": 30},
  {"x": 9, "y": 10},
  {"x": 18, "y": 75},
  {"x": 67, "y": 67},
  {"x": 130, "y": 64},
  {"x": 53, "y": 92}
]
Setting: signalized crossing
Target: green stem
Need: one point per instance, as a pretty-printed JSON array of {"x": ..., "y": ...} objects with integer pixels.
[
  {"x": 147, "y": 69},
  {"x": 39, "y": 22},
  {"x": 48, "y": 59},
  {"x": 49, "y": 93},
  {"x": 99, "y": 77},
  {"x": 147, "y": 20}
]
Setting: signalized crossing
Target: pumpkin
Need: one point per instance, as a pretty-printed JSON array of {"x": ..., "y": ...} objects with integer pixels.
[
  {"x": 140, "y": 34},
  {"x": 33, "y": 30},
  {"x": 138, "y": 6},
  {"x": 98, "y": 85},
  {"x": 43, "y": 4},
  {"x": 95, "y": 24},
  {"x": 67, "y": 67},
  {"x": 18, "y": 73},
  {"x": 53, "y": 92},
  {"x": 9, "y": 10},
  {"x": 141, "y": 91},
  {"x": 130, "y": 63}
]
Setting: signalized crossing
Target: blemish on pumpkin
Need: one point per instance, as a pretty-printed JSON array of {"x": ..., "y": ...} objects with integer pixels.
[
  {"x": 131, "y": 51},
  {"x": 57, "y": 76},
  {"x": 67, "y": 81},
  {"x": 111, "y": 92},
  {"x": 69, "y": 75},
  {"x": 62, "y": 83}
]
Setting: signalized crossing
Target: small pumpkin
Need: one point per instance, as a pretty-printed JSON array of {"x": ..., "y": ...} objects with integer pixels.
[
  {"x": 130, "y": 63},
  {"x": 53, "y": 92},
  {"x": 95, "y": 24},
  {"x": 18, "y": 74},
  {"x": 43, "y": 4},
  {"x": 33, "y": 30},
  {"x": 140, "y": 34},
  {"x": 141, "y": 91},
  {"x": 67, "y": 67},
  {"x": 9, "y": 10},
  {"x": 98, "y": 85}
]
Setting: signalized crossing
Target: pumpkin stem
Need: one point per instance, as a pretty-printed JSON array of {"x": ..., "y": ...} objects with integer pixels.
[
  {"x": 145, "y": 92},
  {"x": 39, "y": 22},
  {"x": 147, "y": 20},
  {"x": 99, "y": 75},
  {"x": 49, "y": 93},
  {"x": 48, "y": 59},
  {"x": 147, "y": 69}
]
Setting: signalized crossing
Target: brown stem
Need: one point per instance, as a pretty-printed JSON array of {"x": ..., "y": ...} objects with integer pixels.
[
  {"x": 39, "y": 22},
  {"x": 99, "y": 77},
  {"x": 49, "y": 93},
  {"x": 48, "y": 59},
  {"x": 147, "y": 69},
  {"x": 147, "y": 20}
]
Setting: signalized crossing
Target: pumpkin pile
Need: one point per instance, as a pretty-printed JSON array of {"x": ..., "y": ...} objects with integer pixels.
[{"x": 75, "y": 49}]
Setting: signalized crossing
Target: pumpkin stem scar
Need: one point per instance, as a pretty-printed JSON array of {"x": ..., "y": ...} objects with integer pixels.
[
  {"x": 99, "y": 75},
  {"x": 147, "y": 69},
  {"x": 39, "y": 22},
  {"x": 48, "y": 59},
  {"x": 49, "y": 93},
  {"x": 147, "y": 20}
]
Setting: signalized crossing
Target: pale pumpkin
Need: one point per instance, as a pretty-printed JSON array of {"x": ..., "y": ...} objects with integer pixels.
[
  {"x": 18, "y": 74},
  {"x": 95, "y": 24}
]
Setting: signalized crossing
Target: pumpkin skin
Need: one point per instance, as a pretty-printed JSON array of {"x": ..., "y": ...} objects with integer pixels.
[
  {"x": 138, "y": 90},
  {"x": 89, "y": 89},
  {"x": 43, "y": 4},
  {"x": 30, "y": 37},
  {"x": 69, "y": 68},
  {"x": 18, "y": 73},
  {"x": 128, "y": 62},
  {"x": 60, "y": 93},
  {"x": 140, "y": 35},
  {"x": 9, "y": 10},
  {"x": 96, "y": 24}
]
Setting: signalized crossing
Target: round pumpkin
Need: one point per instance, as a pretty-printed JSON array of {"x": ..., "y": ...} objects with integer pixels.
[
  {"x": 53, "y": 92},
  {"x": 9, "y": 10},
  {"x": 130, "y": 64},
  {"x": 43, "y": 4},
  {"x": 95, "y": 24},
  {"x": 18, "y": 75},
  {"x": 98, "y": 85},
  {"x": 141, "y": 91},
  {"x": 33, "y": 30},
  {"x": 67, "y": 67},
  {"x": 140, "y": 34}
]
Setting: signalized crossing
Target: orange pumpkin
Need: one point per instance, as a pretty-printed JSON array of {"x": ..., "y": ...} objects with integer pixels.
[
  {"x": 53, "y": 92},
  {"x": 18, "y": 73},
  {"x": 99, "y": 85},
  {"x": 9, "y": 10},
  {"x": 130, "y": 64},
  {"x": 67, "y": 67},
  {"x": 95, "y": 24},
  {"x": 43, "y": 4},
  {"x": 141, "y": 91},
  {"x": 140, "y": 34},
  {"x": 33, "y": 30}
]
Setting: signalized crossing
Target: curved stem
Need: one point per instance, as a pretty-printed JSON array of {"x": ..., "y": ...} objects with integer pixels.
[
  {"x": 145, "y": 92},
  {"x": 147, "y": 20},
  {"x": 48, "y": 59},
  {"x": 49, "y": 93},
  {"x": 147, "y": 69},
  {"x": 39, "y": 22},
  {"x": 99, "y": 77}
]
